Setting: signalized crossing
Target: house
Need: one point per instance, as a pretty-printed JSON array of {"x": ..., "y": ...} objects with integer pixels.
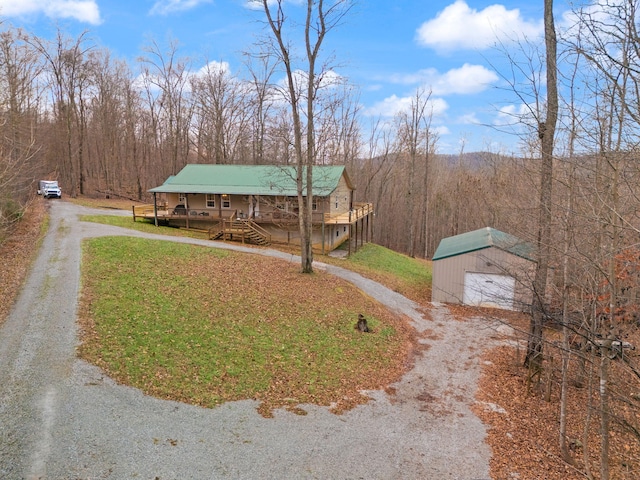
[
  {"x": 485, "y": 267},
  {"x": 259, "y": 204}
]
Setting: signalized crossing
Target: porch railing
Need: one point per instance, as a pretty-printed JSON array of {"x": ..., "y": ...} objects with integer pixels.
[{"x": 359, "y": 211}]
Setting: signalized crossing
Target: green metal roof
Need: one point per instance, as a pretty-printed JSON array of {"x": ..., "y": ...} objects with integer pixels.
[
  {"x": 250, "y": 180},
  {"x": 480, "y": 239}
]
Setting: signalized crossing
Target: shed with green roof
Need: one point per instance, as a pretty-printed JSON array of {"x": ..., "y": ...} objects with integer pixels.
[{"x": 484, "y": 267}]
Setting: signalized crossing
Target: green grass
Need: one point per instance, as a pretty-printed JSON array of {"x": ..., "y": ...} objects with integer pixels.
[
  {"x": 206, "y": 326},
  {"x": 409, "y": 276},
  {"x": 406, "y": 275},
  {"x": 141, "y": 226},
  {"x": 381, "y": 259}
]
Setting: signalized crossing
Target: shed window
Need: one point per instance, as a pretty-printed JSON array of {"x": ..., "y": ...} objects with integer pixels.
[
  {"x": 226, "y": 201},
  {"x": 211, "y": 201},
  {"x": 182, "y": 198}
]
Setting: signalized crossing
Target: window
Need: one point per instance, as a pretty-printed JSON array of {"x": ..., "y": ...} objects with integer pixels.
[
  {"x": 182, "y": 198},
  {"x": 314, "y": 205},
  {"x": 211, "y": 201},
  {"x": 226, "y": 201},
  {"x": 336, "y": 201}
]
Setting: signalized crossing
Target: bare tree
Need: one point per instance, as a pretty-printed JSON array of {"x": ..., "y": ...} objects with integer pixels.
[
  {"x": 546, "y": 133},
  {"x": 68, "y": 79},
  {"x": 166, "y": 79},
  {"x": 303, "y": 85},
  {"x": 222, "y": 113},
  {"x": 261, "y": 69},
  {"x": 416, "y": 140},
  {"x": 19, "y": 101}
]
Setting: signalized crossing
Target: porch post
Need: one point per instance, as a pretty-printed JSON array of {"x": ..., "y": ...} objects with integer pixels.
[
  {"x": 355, "y": 225},
  {"x": 350, "y": 233},
  {"x": 155, "y": 209},
  {"x": 186, "y": 207},
  {"x": 367, "y": 227},
  {"x": 323, "y": 252}
]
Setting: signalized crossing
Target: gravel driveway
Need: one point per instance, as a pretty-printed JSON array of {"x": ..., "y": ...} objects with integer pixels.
[{"x": 61, "y": 418}]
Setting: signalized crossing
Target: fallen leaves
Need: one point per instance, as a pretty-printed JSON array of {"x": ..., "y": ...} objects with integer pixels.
[
  {"x": 524, "y": 428},
  {"x": 18, "y": 252}
]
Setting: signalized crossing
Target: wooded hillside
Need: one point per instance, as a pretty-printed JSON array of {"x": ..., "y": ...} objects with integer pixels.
[{"x": 100, "y": 126}]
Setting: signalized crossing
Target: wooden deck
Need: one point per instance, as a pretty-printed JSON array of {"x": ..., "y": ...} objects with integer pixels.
[
  {"x": 164, "y": 214},
  {"x": 359, "y": 211}
]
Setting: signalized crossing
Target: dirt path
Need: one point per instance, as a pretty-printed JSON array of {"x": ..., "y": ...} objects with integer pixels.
[{"x": 61, "y": 418}]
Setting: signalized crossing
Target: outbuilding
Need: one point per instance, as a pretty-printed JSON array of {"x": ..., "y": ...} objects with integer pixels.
[{"x": 485, "y": 267}]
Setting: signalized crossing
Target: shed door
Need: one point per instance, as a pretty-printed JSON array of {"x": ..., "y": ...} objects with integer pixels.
[{"x": 488, "y": 290}]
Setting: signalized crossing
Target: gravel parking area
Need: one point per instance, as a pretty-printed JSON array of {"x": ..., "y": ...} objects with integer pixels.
[{"x": 61, "y": 418}]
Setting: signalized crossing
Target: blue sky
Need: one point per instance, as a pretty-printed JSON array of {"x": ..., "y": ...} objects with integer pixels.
[{"x": 388, "y": 48}]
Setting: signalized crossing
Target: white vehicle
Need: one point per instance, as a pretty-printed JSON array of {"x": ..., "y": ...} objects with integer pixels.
[{"x": 49, "y": 189}]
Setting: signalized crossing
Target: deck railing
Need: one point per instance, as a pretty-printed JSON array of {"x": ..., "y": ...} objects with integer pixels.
[{"x": 360, "y": 210}]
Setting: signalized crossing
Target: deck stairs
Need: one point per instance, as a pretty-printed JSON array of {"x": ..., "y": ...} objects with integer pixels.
[{"x": 241, "y": 230}]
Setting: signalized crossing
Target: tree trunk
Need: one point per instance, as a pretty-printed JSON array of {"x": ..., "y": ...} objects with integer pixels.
[
  {"x": 546, "y": 132},
  {"x": 604, "y": 413},
  {"x": 320, "y": 19}
]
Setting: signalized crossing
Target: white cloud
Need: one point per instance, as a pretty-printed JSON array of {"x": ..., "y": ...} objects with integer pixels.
[
  {"x": 469, "y": 119},
  {"x": 327, "y": 79},
  {"x": 460, "y": 27},
  {"x": 150, "y": 81},
  {"x": 165, "y": 7},
  {"x": 511, "y": 114},
  {"x": 258, "y": 5},
  {"x": 81, "y": 10},
  {"x": 441, "y": 130},
  {"x": 393, "y": 105},
  {"x": 601, "y": 13},
  {"x": 215, "y": 67},
  {"x": 465, "y": 80}
]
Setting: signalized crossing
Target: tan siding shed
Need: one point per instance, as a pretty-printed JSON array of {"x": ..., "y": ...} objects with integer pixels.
[{"x": 485, "y": 251}]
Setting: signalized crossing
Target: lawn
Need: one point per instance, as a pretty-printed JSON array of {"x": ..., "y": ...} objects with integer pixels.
[
  {"x": 142, "y": 226},
  {"x": 206, "y": 326},
  {"x": 409, "y": 276}
]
